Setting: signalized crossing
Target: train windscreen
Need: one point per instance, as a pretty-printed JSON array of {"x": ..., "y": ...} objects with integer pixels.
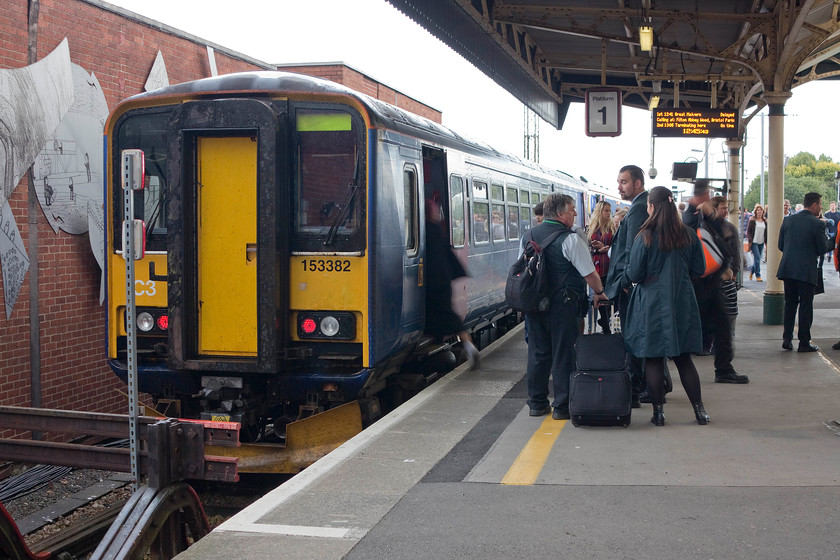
[
  {"x": 329, "y": 181},
  {"x": 145, "y": 131}
]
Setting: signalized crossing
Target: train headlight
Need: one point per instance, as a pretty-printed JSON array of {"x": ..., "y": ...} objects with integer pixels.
[
  {"x": 332, "y": 325},
  {"x": 145, "y": 321},
  {"x": 151, "y": 321},
  {"x": 329, "y": 325}
]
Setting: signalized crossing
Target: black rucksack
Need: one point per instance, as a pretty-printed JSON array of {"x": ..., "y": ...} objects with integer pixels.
[{"x": 527, "y": 288}]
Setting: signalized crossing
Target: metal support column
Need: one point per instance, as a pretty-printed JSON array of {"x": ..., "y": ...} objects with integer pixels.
[{"x": 774, "y": 297}]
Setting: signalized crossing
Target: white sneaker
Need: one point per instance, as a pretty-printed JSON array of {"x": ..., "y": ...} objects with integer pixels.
[{"x": 473, "y": 356}]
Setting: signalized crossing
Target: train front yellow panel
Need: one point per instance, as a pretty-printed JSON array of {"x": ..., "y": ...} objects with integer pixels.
[
  {"x": 330, "y": 283},
  {"x": 227, "y": 237}
]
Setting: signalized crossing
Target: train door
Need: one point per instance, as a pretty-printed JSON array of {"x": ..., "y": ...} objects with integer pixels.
[
  {"x": 227, "y": 246},
  {"x": 229, "y": 185}
]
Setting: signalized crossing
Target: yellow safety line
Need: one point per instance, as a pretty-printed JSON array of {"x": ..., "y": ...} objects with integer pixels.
[{"x": 533, "y": 456}]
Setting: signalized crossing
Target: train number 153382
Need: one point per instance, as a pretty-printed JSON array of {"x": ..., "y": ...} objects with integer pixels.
[{"x": 325, "y": 265}]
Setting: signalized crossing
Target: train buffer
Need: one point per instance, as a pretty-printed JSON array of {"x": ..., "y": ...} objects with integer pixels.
[{"x": 163, "y": 515}]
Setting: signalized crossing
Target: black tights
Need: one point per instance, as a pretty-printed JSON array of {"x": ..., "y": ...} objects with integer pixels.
[{"x": 655, "y": 376}]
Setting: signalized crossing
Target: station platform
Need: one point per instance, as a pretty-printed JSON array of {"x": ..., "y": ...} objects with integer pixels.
[{"x": 462, "y": 471}]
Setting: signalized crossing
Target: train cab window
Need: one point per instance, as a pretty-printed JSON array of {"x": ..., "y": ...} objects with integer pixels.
[
  {"x": 456, "y": 208},
  {"x": 497, "y": 222},
  {"x": 329, "y": 180},
  {"x": 145, "y": 131},
  {"x": 497, "y": 192},
  {"x": 412, "y": 219}
]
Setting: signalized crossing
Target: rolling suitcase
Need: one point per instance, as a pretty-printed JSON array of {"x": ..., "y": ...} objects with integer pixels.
[{"x": 599, "y": 388}]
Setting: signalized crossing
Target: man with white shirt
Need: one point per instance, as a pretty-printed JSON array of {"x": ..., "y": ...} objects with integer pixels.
[{"x": 552, "y": 333}]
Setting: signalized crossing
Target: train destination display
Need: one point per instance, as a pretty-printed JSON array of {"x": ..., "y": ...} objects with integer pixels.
[{"x": 684, "y": 123}]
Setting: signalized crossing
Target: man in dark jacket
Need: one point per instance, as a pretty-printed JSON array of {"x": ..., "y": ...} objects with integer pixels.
[
  {"x": 552, "y": 333},
  {"x": 802, "y": 240},
  {"x": 631, "y": 186},
  {"x": 709, "y": 290}
]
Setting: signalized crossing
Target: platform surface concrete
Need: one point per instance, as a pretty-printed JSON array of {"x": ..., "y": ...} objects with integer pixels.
[{"x": 761, "y": 481}]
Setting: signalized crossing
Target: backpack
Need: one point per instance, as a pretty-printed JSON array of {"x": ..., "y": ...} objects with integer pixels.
[
  {"x": 713, "y": 249},
  {"x": 527, "y": 288}
]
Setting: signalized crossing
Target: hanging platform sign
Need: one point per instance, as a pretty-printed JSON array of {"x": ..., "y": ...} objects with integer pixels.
[
  {"x": 695, "y": 123},
  {"x": 603, "y": 112}
]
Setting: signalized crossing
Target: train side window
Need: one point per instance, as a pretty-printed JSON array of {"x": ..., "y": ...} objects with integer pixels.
[
  {"x": 481, "y": 216},
  {"x": 479, "y": 190},
  {"x": 525, "y": 219},
  {"x": 411, "y": 210},
  {"x": 497, "y": 222},
  {"x": 456, "y": 207},
  {"x": 497, "y": 192},
  {"x": 513, "y": 213},
  {"x": 535, "y": 198}
]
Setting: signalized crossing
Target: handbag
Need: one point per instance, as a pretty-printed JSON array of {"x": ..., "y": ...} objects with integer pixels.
[
  {"x": 747, "y": 246},
  {"x": 820, "y": 288}
]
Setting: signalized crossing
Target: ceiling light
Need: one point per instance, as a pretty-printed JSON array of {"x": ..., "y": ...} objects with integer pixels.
[
  {"x": 646, "y": 38},
  {"x": 653, "y": 103}
]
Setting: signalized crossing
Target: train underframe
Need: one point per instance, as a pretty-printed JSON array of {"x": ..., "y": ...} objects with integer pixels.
[{"x": 289, "y": 421}]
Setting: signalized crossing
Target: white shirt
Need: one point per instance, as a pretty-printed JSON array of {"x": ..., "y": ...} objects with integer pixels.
[
  {"x": 758, "y": 234},
  {"x": 576, "y": 250}
]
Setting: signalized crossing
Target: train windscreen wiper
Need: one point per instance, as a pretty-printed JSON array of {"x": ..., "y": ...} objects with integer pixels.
[{"x": 342, "y": 215}]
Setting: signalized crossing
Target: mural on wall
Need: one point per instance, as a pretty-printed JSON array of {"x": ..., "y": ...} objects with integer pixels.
[
  {"x": 68, "y": 171},
  {"x": 33, "y": 101},
  {"x": 158, "y": 77},
  {"x": 15, "y": 261}
]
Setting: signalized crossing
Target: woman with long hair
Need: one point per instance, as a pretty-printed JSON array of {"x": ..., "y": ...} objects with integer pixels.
[
  {"x": 663, "y": 318},
  {"x": 756, "y": 236},
  {"x": 600, "y": 234}
]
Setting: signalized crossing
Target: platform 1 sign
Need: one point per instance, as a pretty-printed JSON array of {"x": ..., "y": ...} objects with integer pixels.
[
  {"x": 603, "y": 112},
  {"x": 694, "y": 123}
]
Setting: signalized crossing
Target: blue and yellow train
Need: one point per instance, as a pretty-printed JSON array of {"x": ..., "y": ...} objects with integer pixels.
[{"x": 283, "y": 280}]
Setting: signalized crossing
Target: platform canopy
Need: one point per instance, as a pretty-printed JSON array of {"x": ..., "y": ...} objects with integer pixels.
[{"x": 704, "y": 53}]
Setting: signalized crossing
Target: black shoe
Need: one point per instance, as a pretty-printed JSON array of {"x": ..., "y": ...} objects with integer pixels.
[
  {"x": 786, "y": 344},
  {"x": 700, "y": 414},
  {"x": 731, "y": 377},
  {"x": 560, "y": 414},
  {"x": 835, "y": 346},
  {"x": 635, "y": 402},
  {"x": 807, "y": 348},
  {"x": 658, "y": 418},
  {"x": 540, "y": 411}
]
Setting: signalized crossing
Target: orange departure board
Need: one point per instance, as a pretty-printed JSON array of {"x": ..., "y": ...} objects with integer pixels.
[{"x": 695, "y": 123}]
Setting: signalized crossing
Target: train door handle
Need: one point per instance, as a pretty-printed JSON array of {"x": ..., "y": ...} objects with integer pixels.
[{"x": 250, "y": 252}]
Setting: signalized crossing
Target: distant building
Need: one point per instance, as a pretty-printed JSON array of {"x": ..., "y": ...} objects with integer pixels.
[{"x": 345, "y": 75}]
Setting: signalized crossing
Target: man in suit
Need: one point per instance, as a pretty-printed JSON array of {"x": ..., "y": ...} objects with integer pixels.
[
  {"x": 802, "y": 240},
  {"x": 631, "y": 186}
]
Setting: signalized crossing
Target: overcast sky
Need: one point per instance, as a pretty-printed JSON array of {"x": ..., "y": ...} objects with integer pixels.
[{"x": 376, "y": 39}]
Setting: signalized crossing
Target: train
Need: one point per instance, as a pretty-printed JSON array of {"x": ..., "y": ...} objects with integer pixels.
[{"x": 282, "y": 283}]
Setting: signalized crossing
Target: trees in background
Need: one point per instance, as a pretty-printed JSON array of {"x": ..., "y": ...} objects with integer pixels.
[{"x": 804, "y": 173}]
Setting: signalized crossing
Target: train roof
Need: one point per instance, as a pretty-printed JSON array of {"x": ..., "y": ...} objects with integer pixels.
[{"x": 381, "y": 114}]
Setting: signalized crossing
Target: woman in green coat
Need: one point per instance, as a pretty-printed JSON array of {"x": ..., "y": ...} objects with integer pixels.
[{"x": 663, "y": 319}]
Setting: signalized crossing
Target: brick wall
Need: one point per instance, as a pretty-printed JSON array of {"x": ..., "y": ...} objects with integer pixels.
[
  {"x": 354, "y": 79},
  {"x": 120, "y": 49}
]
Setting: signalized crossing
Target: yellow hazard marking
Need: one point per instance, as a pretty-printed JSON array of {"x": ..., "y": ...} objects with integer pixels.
[{"x": 533, "y": 456}]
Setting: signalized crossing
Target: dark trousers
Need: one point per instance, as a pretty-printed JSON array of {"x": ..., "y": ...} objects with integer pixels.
[
  {"x": 551, "y": 353},
  {"x": 714, "y": 318},
  {"x": 798, "y": 294},
  {"x": 635, "y": 365}
]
